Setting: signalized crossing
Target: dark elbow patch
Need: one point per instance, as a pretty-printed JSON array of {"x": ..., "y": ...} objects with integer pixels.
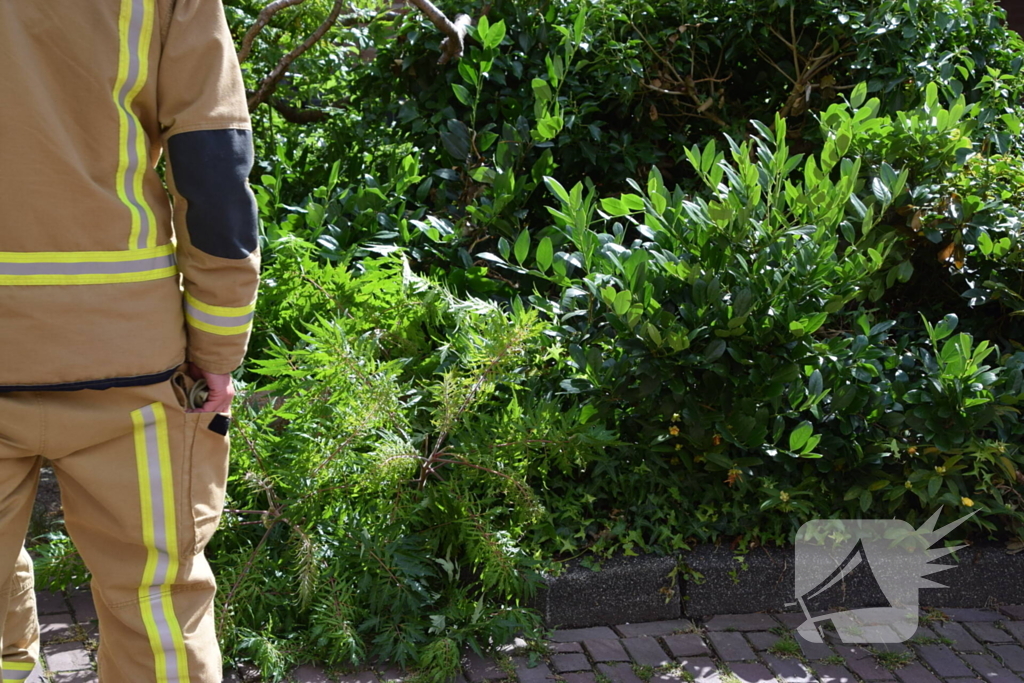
[{"x": 210, "y": 170}]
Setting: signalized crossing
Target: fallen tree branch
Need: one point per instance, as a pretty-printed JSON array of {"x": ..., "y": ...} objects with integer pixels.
[
  {"x": 452, "y": 46},
  {"x": 269, "y": 83},
  {"x": 265, "y": 15}
]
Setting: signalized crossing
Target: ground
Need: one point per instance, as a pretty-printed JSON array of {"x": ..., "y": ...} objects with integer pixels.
[{"x": 951, "y": 646}]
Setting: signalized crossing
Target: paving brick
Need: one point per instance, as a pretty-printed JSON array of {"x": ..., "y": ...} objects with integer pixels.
[
  {"x": 580, "y": 677},
  {"x": 605, "y": 650},
  {"x": 646, "y": 651},
  {"x": 741, "y": 622},
  {"x": 86, "y": 676},
  {"x": 833, "y": 673},
  {"x": 962, "y": 640},
  {"x": 50, "y": 602},
  {"x": 577, "y": 635},
  {"x": 1012, "y": 656},
  {"x": 969, "y": 614},
  {"x": 654, "y": 628},
  {"x": 814, "y": 651},
  {"x": 789, "y": 670},
  {"x": 916, "y": 673},
  {"x": 619, "y": 673},
  {"x": 850, "y": 651},
  {"x": 990, "y": 669},
  {"x": 1016, "y": 628},
  {"x": 703, "y": 669},
  {"x": 562, "y": 648},
  {"x": 762, "y": 640},
  {"x": 361, "y": 677},
  {"x": 36, "y": 676},
  {"x": 686, "y": 645},
  {"x": 481, "y": 668},
  {"x": 570, "y": 662},
  {"x": 752, "y": 673},
  {"x": 55, "y": 626},
  {"x": 83, "y": 606},
  {"x": 673, "y": 675},
  {"x": 961, "y": 680},
  {"x": 731, "y": 647},
  {"x": 525, "y": 673},
  {"x": 307, "y": 673},
  {"x": 869, "y": 669},
  {"x": 66, "y": 657},
  {"x": 988, "y": 632},
  {"x": 942, "y": 660},
  {"x": 790, "y": 620},
  {"x": 923, "y": 632},
  {"x": 1015, "y": 612}
]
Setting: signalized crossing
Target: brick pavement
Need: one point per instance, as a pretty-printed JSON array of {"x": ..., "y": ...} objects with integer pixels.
[{"x": 951, "y": 646}]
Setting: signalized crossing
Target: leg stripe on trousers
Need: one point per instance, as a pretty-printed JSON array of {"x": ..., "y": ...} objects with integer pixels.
[
  {"x": 16, "y": 672},
  {"x": 156, "y": 489}
]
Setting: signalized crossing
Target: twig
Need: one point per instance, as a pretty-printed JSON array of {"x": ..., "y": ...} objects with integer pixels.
[
  {"x": 265, "y": 15},
  {"x": 269, "y": 83},
  {"x": 452, "y": 46}
]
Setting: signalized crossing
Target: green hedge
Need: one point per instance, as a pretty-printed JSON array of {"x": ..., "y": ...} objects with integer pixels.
[{"x": 557, "y": 300}]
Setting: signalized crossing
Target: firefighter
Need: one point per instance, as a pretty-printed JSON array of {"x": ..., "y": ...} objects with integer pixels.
[{"x": 119, "y": 301}]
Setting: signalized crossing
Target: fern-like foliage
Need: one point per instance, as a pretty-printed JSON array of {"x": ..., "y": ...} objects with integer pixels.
[{"x": 378, "y": 505}]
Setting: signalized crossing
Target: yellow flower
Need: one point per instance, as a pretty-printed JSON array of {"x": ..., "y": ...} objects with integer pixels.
[
  {"x": 675, "y": 417},
  {"x": 678, "y": 446},
  {"x": 673, "y": 430},
  {"x": 967, "y": 502},
  {"x": 908, "y": 485},
  {"x": 940, "y": 469},
  {"x": 783, "y": 496}
]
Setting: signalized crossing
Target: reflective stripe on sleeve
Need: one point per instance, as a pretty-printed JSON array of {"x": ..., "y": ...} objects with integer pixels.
[
  {"x": 87, "y": 267},
  {"x": 135, "y": 28},
  {"x": 221, "y": 320},
  {"x": 156, "y": 491},
  {"x": 15, "y": 672}
]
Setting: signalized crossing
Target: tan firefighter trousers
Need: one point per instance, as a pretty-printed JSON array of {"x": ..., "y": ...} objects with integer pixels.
[{"x": 142, "y": 484}]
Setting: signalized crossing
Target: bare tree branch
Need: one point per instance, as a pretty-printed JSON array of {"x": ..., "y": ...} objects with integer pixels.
[
  {"x": 266, "y": 14},
  {"x": 452, "y": 46},
  {"x": 269, "y": 83}
]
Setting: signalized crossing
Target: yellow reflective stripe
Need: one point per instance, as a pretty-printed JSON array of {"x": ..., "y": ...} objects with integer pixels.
[
  {"x": 123, "y": 59},
  {"x": 216, "y": 329},
  {"x": 87, "y": 279},
  {"x": 18, "y": 666},
  {"x": 222, "y": 320},
  {"x": 135, "y": 27},
  {"x": 159, "y": 534},
  {"x": 142, "y": 148},
  {"x": 171, "y": 533},
  {"x": 87, "y": 267},
  {"x": 84, "y": 256},
  {"x": 219, "y": 310}
]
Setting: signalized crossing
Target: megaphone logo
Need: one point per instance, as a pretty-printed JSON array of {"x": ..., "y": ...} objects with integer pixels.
[{"x": 880, "y": 564}]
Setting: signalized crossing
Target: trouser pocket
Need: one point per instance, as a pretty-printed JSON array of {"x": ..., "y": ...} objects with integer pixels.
[
  {"x": 207, "y": 463},
  {"x": 207, "y": 452}
]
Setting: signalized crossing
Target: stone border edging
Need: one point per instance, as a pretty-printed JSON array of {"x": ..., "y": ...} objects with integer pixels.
[{"x": 711, "y": 580}]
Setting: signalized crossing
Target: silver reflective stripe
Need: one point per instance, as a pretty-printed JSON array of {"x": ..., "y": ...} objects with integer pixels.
[
  {"x": 132, "y": 149},
  {"x": 159, "y": 533},
  {"x": 15, "y": 674},
  {"x": 89, "y": 267},
  {"x": 163, "y": 549},
  {"x": 219, "y": 320}
]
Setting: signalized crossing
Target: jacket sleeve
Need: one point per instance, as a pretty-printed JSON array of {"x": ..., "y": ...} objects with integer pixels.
[{"x": 206, "y": 133}]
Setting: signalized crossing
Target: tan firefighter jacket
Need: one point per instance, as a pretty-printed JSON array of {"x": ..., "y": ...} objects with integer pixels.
[{"x": 97, "y": 289}]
